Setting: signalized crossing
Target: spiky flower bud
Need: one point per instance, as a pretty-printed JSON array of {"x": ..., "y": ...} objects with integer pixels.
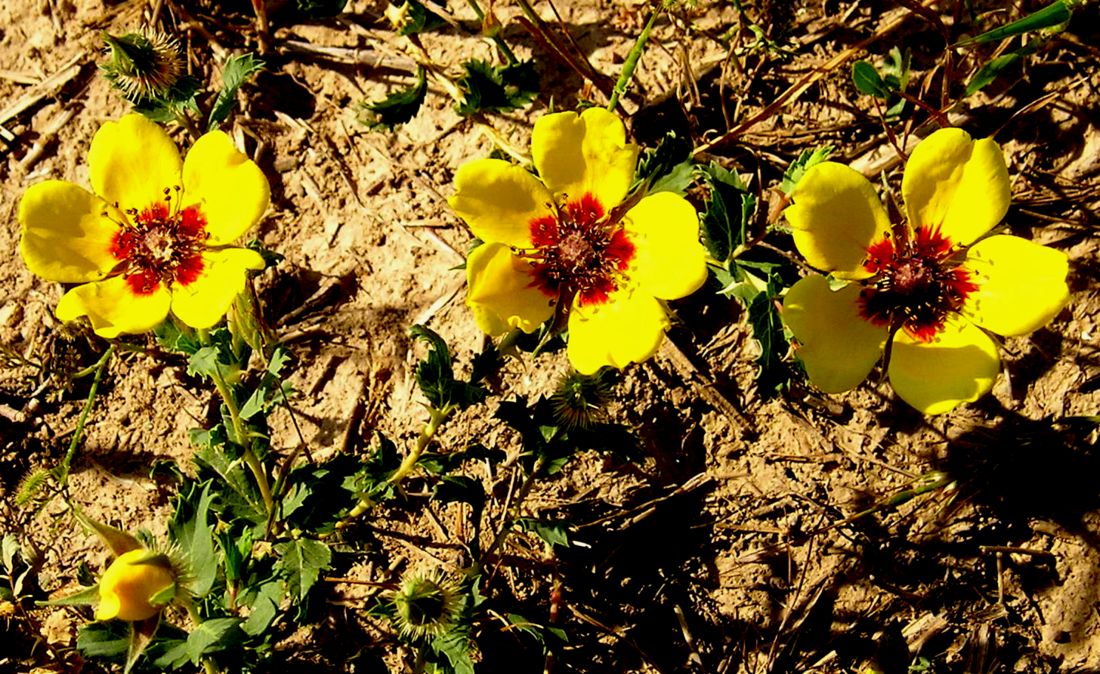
[
  {"x": 136, "y": 586},
  {"x": 143, "y": 66},
  {"x": 581, "y": 400},
  {"x": 426, "y": 604}
]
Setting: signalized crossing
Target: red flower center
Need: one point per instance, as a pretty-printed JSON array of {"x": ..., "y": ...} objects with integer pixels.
[
  {"x": 575, "y": 254},
  {"x": 160, "y": 246},
  {"x": 915, "y": 285}
]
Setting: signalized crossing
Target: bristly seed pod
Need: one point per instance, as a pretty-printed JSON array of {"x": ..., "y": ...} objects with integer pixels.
[
  {"x": 426, "y": 605},
  {"x": 143, "y": 66},
  {"x": 581, "y": 400}
]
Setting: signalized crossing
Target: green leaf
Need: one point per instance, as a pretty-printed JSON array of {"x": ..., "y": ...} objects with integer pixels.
[
  {"x": 1053, "y": 14},
  {"x": 416, "y": 17},
  {"x": 141, "y": 635},
  {"x": 668, "y": 167},
  {"x": 237, "y": 71},
  {"x": 191, "y": 530},
  {"x": 203, "y": 362},
  {"x": 554, "y": 533},
  {"x": 990, "y": 71},
  {"x": 807, "y": 159},
  {"x": 459, "y": 488},
  {"x": 497, "y": 88},
  {"x": 104, "y": 640},
  {"x": 265, "y": 607},
  {"x": 435, "y": 375},
  {"x": 867, "y": 80},
  {"x": 397, "y": 108},
  {"x": 767, "y": 330},
  {"x": 455, "y": 647},
  {"x": 728, "y": 212},
  {"x": 85, "y": 597},
  {"x": 301, "y": 562},
  {"x": 212, "y": 636}
]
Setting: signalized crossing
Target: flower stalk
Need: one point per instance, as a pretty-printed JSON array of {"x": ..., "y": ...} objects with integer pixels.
[{"x": 62, "y": 471}]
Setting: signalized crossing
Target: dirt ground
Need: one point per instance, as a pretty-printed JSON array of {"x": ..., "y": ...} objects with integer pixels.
[{"x": 723, "y": 547}]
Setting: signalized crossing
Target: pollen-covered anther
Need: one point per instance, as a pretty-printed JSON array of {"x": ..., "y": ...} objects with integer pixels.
[
  {"x": 577, "y": 253},
  {"x": 915, "y": 284},
  {"x": 160, "y": 245}
]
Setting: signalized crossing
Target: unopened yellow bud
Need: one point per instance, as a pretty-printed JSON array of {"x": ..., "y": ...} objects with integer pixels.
[{"x": 136, "y": 586}]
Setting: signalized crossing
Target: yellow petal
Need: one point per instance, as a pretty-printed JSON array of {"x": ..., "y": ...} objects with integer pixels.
[
  {"x": 128, "y": 585},
  {"x": 203, "y": 302},
  {"x": 957, "y": 183},
  {"x": 959, "y": 365},
  {"x": 628, "y": 328},
  {"x": 1021, "y": 285},
  {"x": 836, "y": 215},
  {"x": 65, "y": 236},
  {"x": 132, "y": 161},
  {"x": 230, "y": 190},
  {"x": 500, "y": 294},
  {"x": 498, "y": 201},
  {"x": 114, "y": 308},
  {"x": 670, "y": 261},
  {"x": 837, "y": 346},
  {"x": 575, "y": 154}
]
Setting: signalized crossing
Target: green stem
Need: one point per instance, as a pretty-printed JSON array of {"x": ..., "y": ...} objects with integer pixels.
[
  {"x": 239, "y": 430},
  {"x": 497, "y": 40},
  {"x": 99, "y": 368},
  {"x": 427, "y": 434},
  {"x": 632, "y": 60}
]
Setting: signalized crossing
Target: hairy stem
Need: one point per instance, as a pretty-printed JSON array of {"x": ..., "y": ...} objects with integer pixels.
[
  {"x": 242, "y": 435},
  {"x": 99, "y": 368}
]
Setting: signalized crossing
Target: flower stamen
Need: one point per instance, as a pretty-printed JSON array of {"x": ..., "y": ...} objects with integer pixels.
[
  {"x": 916, "y": 284},
  {"x": 161, "y": 244},
  {"x": 577, "y": 253}
]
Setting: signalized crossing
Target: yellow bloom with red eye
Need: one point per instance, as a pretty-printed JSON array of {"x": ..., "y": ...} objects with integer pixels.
[
  {"x": 153, "y": 235},
  {"x": 933, "y": 288},
  {"x": 136, "y": 586},
  {"x": 566, "y": 241}
]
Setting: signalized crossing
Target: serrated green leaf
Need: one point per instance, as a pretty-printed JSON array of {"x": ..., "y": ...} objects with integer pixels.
[
  {"x": 416, "y": 17},
  {"x": 212, "y": 636},
  {"x": 435, "y": 375},
  {"x": 667, "y": 168},
  {"x": 767, "y": 330},
  {"x": 455, "y": 647},
  {"x": 191, "y": 530},
  {"x": 728, "y": 212},
  {"x": 497, "y": 88},
  {"x": 807, "y": 159},
  {"x": 867, "y": 80},
  {"x": 301, "y": 562},
  {"x": 397, "y": 108},
  {"x": 237, "y": 71}
]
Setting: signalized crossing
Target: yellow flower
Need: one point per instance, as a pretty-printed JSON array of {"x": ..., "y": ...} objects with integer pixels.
[
  {"x": 136, "y": 586},
  {"x": 933, "y": 287},
  {"x": 562, "y": 242},
  {"x": 154, "y": 236}
]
